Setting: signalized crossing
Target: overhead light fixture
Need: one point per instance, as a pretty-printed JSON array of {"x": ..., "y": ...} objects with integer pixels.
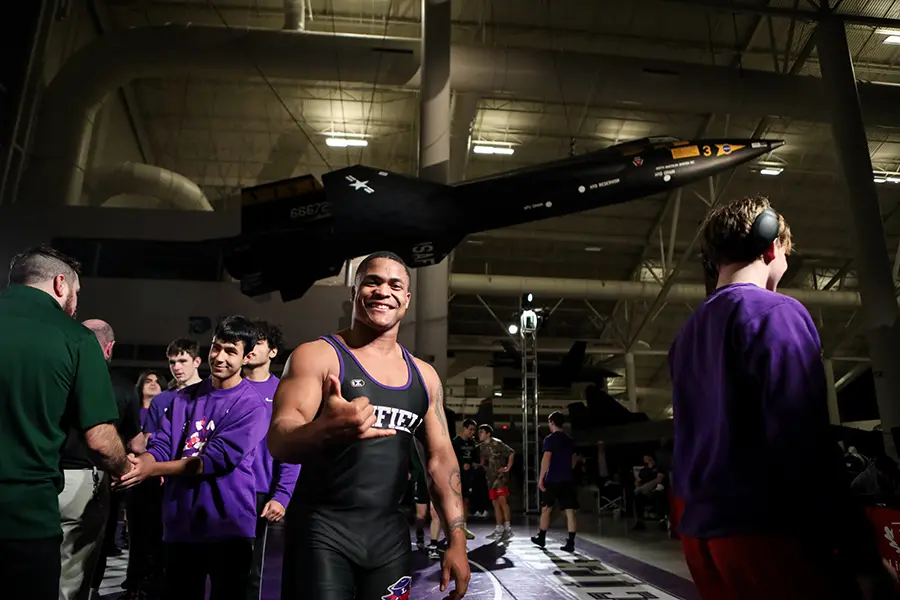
[
  {"x": 513, "y": 329},
  {"x": 498, "y": 393},
  {"x": 482, "y": 148},
  {"x": 892, "y": 35},
  {"x": 771, "y": 171},
  {"x": 593, "y": 249},
  {"x": 880, "y": 180},
  {"x": 342, "y": 142}
]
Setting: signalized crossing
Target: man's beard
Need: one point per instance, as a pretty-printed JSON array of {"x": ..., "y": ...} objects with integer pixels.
[{"x": 70, "y": 305}]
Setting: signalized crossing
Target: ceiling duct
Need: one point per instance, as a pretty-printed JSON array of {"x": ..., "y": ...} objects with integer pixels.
[
  {"x": 591, "y": 289},
  {"x": 294, "y": 15},
  {"x": 170, "y": 188},
  {"x": 71, "y": 101}
]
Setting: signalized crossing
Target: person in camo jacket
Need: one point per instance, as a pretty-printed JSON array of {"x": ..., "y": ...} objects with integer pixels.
[{"x": 497, "y": 459}]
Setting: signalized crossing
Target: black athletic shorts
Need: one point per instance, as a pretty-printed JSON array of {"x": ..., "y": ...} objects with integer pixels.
[
  {"x": 467, "y": 479},
  {"x": 345, "y": 556},
  {"x": 420, "y": 491},
  {"x": 563, "y": 494}
]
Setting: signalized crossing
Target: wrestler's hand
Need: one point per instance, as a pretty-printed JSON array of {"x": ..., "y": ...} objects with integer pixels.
[
  {"x": 273, "y": 511},
  {"x": 455, "y": 563},
  {"x": 141, "y": 469},
  {"x": 349, "y": 420}
]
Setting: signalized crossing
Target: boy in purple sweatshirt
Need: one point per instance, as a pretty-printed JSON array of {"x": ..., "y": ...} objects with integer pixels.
[
  {"x": 205, "y": 448},
  {"x": 275, "y": 480}
]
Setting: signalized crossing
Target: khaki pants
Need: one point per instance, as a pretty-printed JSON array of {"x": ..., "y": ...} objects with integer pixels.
[{"x": 83, "y": 508}]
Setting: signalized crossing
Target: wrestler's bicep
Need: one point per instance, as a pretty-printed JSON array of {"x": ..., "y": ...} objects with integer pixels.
[{"x": 299, "y": 392}]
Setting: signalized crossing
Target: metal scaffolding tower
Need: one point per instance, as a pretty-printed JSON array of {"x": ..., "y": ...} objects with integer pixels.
[{"x": 531, "y": 443}]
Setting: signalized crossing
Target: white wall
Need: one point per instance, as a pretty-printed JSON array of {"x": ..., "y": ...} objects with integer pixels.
[
  {"x": 114, "y": 140},
  {"x": 145, "y": 312}
]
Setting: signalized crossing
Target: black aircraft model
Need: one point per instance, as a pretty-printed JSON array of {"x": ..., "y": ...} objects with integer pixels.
[{"x": 298, "y": 231}]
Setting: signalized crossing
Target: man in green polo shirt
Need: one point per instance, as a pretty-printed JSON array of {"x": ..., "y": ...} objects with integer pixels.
[{"x": 54, "y": 376}]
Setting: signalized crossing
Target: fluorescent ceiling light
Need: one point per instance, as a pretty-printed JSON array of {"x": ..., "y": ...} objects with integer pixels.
[
  {"x": 340, "y": 142},
  {"x": 880, "y": 180},
  {"x": 893, "y": 179},
  {"x": 593, "y": 249},
  {"x": 487, "y": 149},
  {"x": 886, "y": 31},
  {"x": 771, "y": 171},
  {"x": 892, "y": 39}
]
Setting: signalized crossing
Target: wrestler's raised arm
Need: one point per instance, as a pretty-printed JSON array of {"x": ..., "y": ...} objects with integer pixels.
[{"x": 310, "y": 379}]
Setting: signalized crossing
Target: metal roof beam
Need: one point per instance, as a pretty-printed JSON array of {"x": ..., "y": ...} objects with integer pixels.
[{"x": 799, "y": 14}]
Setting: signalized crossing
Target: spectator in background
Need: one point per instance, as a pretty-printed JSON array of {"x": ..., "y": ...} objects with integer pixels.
[
  {"x": 150, "y": 384},
  {"x": 204, "y": 450},
  {"x": 54, "y": 377},
  {"x": 138, "y": 398},
  {"x": 465, "y": 449},
  {"x": 145, "y": 558},
  {"x": 557, "y": 482},
  {"x": 497, "y": 459},
  {"x": 751, "y": 421},
  {"x": 648, "y": 491},
  {"x": 84, "y": 504},
  {"x": 275, "y": 480}
]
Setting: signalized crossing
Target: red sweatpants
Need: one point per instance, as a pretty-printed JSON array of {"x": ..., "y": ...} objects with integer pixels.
[{"x": 761, "y": 568}]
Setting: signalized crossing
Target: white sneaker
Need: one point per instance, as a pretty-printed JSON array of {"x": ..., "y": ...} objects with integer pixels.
[
  {"x": 507, "y": 534},
  {"x": 496, "y": 534}
]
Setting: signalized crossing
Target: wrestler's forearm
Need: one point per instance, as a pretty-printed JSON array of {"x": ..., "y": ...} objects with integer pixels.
[
  {"x": 447, "y": 486},
  {"x": 293, "y": 442}
]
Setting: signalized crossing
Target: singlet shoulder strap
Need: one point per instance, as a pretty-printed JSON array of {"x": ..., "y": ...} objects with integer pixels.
[
  {"x": 414, "y": 368},
  {"x": 337, "y": 350}
]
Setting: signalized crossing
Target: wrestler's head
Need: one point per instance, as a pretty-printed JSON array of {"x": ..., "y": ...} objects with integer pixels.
[
  {"x": 723, "y": 244},
  {"x": 381, "y": 292}
]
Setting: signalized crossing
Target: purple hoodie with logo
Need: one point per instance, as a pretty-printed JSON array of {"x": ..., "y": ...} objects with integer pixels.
[
  {"x": 273, "y": 478},
  {"x": 224, "y": 429}
]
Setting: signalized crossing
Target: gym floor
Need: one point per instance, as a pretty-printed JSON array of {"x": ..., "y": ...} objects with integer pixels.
[{"x": 611, "y": 563}]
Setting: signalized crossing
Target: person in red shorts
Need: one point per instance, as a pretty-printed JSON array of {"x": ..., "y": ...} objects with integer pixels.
[
  {"x": 751, "y": 425},
  {"x": 497, "y": 459}
]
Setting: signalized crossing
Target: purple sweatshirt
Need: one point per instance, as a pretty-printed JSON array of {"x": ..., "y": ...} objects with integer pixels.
[
  {"x": 275, "y": 479},
  {"x": 223, "y": 428},
  {"x": 159, "y": 406},
  {"x": 751, "y": 423}
]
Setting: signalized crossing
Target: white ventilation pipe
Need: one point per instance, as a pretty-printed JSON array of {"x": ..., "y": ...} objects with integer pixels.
[
  {"x": 72, "y": 98},
  {"x": 172, "y": 189},
  {"x": 70, "y": 103},
  {"x": 294, "y": 15},
  {"x": 592, "y": 289}
]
